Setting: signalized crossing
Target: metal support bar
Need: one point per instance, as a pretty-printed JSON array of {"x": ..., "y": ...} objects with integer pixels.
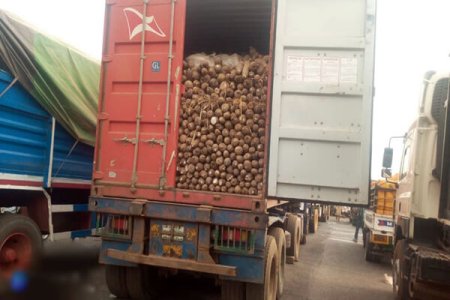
[
  {"x": 173, "y": 263},
  {"x": 67, "y": 156},
  {"x": 139, "y": 104},
  {"x": 9, "y": 87},
  {"x": 204, "y": 240},
  {"x": 138, "y": 235},
  {"x": 50, "y": 159},
  {"x": 162, "y": 180},
  {"x": 50, "y": 217}
]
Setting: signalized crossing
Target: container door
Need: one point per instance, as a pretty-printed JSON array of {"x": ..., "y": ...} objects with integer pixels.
[
  {"x": 320, "y": 139},
  {"x": 140, "y": 90}
]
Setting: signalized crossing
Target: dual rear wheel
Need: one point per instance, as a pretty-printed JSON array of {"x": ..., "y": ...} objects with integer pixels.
[
  {"x": 253, "y": 291},
  {"x": 140, "y": 282}
]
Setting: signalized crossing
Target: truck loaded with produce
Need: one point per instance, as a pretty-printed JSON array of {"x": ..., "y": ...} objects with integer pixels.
[
  {"x": 378, "y": 229},
  {"x": 215, "y": 121}
]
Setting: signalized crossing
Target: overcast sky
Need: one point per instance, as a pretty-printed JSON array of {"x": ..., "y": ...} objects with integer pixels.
[{"x": 413, "y": 36}]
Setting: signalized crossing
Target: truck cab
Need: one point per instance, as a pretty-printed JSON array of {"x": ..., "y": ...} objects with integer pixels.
[{"x": 421, "y": 260}]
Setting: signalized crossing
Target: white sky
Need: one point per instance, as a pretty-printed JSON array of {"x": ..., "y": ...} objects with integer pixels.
[{"x": 413, "y": 36}]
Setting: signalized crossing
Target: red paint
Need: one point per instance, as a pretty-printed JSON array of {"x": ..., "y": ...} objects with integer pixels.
[{"x": 118, "y": 107}]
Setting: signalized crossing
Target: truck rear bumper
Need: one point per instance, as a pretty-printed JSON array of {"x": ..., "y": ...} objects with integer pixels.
[
  {"x": 213, "y": 240},
  {"x": 173, "y": 263}
]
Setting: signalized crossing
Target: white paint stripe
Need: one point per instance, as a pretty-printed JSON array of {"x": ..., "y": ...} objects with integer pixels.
[
  {"x": 20, "y": 187},
  {"x": 62, "y": 208},
  {"x": 68, "y": 180},
  {"x": 9, "y": 176}
]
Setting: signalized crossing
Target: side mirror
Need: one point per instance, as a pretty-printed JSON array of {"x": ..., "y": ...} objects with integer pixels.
[{"x": 387, "y": 158}]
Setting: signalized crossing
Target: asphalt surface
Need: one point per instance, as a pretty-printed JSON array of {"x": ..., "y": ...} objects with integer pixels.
[{"x": 331, "y": 266}]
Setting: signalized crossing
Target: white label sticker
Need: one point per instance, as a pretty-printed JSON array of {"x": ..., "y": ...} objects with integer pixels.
[
  {"x": 349, "y": 70},
  {"x": 311, "y": 69},
  {"x": 330, "y": 70},
  {"x": 166, "y": 228},
  {"x": 294, "y": 69},
  {"x": 112, "y": 174}
]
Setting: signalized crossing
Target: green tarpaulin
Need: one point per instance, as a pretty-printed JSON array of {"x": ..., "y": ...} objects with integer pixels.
[{"x": 62, "y": 79}]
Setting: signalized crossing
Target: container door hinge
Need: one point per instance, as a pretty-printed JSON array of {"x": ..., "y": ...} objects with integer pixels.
[
  {"x": 155, "y": 142},
  {"x": 126, "y": 140}
]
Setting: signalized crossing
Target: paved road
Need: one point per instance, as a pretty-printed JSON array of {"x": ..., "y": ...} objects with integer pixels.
[{"x": 331, "y": 267}]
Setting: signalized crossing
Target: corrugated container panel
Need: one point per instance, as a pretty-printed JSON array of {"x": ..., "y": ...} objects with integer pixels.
[{"x": 25, "y": 139}]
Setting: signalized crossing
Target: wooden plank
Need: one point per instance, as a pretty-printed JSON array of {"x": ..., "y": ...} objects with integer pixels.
[{"x": 174, "y": 263}]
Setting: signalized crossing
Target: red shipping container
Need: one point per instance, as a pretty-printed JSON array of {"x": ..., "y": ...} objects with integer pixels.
[{"x": 136, "y": 147}]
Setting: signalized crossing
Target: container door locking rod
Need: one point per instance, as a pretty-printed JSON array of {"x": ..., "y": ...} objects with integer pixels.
[
  {"x": 139, "y": 104},
  {"x": 163, "y": 178}
]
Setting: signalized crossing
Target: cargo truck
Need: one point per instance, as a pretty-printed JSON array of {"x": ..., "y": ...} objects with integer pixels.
[
  {"x": 421, "y": 259},
  {"x": 378, "y": 230},
  {"x": 45, "y": 173},
  {"x": 318, "y": 102}
]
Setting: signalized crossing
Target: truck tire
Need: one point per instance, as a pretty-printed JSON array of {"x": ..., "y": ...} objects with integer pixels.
[
  {"x": 232, "y": 290},
  {"x": 116, "y": 280},
  {"x": 280, "y": 238},
  {"x": 268, "y": 290},
  {"x": 20, "y": 244},
  {"x": 399, "y": 282},
  {"x": 367, "y": 253},
  {"x": 313, "y": 224},
  {"x": 142, "y": 282},
  {"x": 293, "y": 226},
  {"x": 303, "y": 240}
]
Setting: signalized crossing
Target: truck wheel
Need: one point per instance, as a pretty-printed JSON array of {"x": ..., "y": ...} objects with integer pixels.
[
  {"x": 367, "y": 253},
  {"x": 303, "y": 240},
  {"x": 313, "y": 225},
  {"x": 293, "y": 226},
  {"x": 364, "y": 238},
  {"x": 268, "y": 290},
  {"x": 399, "y": 283},
  {"x": 142, "y": 282},
  {"x": 20, "y": 244},
  {"x": 116, "y": 280},
  {"x": 280, "y": 238},
  {"x": 233, "y": 290}
]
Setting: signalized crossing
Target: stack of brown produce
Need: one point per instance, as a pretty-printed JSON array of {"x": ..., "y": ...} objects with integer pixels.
[{"x": 222, "y": 123}]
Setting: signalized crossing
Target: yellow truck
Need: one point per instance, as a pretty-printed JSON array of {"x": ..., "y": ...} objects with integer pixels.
[{"x": 378, "y": 229}]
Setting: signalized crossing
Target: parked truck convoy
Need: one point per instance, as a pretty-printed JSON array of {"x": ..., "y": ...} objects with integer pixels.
[
  {"x": 45, "y": 173},
  {"x": 421, "y": 260},
  {"x": 297, "y": 97}
]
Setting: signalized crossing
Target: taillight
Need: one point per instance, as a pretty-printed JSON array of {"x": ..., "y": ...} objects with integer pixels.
[
  {"x": 232, "y": 234},
  {"x": 233, "y": 239},
  {"x": 115, "y": 226}
]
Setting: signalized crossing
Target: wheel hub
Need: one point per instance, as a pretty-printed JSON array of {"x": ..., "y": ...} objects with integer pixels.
[
  {"x": 8, "y": 255},
  {"x": 15, "y": 254}
]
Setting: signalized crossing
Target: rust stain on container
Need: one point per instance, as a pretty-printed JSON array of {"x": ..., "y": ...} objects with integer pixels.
[
  {"x": 173, "y": 250},
  {"x": 154, "y": 230},
  {"x": 191, "y": 234}
]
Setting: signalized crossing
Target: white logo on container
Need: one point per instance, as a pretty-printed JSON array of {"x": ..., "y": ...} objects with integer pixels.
[{"x": 136, "y": 26}]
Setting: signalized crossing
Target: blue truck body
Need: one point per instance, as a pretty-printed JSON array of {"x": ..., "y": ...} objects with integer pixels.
[
  {"x": 26, "y": 139},
  {"x": 41, "y": 162}
]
